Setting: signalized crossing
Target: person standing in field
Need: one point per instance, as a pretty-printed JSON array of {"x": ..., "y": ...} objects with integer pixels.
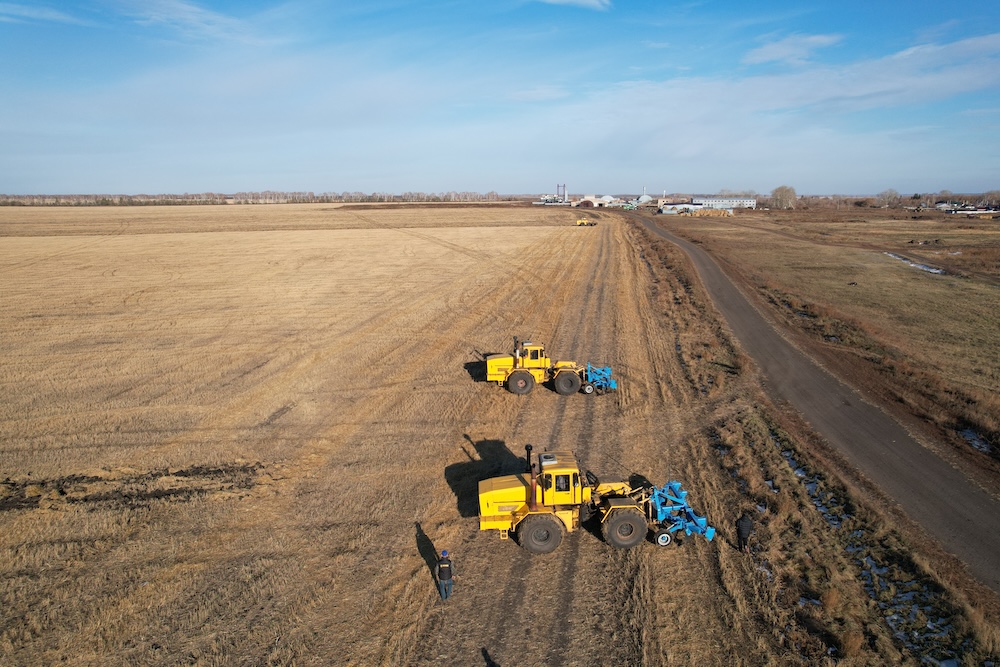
[
  {"x": 744, "y": 526},
  {"x": 444, "y": 570}
]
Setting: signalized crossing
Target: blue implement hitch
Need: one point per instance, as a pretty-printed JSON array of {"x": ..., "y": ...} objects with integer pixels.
[
  {"x": 600, "y": 378},
  {"x": 672, "y": 511}
]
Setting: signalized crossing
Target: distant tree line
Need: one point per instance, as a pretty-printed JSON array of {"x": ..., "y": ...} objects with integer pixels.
[
  {"x": 785, "y": 197},
  {"x": 265, "y": 197}
]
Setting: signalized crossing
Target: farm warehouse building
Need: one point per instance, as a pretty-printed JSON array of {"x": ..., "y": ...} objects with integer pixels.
[{"x": 713, "y": 202}]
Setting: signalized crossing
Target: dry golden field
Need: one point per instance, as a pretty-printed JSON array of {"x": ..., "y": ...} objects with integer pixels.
[{"x": 239, "y": 435}]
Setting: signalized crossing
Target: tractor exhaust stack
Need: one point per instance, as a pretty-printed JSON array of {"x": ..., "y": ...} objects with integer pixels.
[{"x": 533, "y": 486}]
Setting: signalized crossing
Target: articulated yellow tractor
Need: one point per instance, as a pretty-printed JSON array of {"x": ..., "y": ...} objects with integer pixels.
[
  {"x": 554, "y": 497},
  {"x": 584, "y": 222},
  {"x": 529, "y": 366}
]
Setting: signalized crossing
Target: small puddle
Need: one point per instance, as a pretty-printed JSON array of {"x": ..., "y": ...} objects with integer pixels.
[
  {"x": 976, "y": 441},
  {"x": 916, "y": 265}
]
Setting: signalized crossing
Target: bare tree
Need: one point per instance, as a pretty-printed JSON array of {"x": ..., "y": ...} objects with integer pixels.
[
  {"x": 783, "y": 196},
  {"x": 888, "y": 198},
  {"x": 991, "y": 198}
]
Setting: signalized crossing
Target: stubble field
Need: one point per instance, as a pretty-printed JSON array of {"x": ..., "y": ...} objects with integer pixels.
[{"x": 239, "y": 435}]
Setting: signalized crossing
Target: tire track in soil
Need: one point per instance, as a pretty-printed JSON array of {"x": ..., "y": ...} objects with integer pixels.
[
  {"x": 94, "y": 240},
  {"x": 301, "y": 363},
  {"x": 290, "y": 373},
  {"x": 588, "y": 319},
  {"x": 515, "y": 591},
  {"x": 625, "y": 566},
  {"x": 325, "y": 445},
  {"x": 568, "y": 554},
  {"x": 420, "y": 355}
]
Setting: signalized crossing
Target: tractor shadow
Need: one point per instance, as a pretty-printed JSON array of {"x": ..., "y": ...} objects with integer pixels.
[
  {"x": 477, "y": 369},
  {"x": 486, "y": 458}
]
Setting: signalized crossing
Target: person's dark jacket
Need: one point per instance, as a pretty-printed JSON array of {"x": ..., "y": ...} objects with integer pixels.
[{"x": 444, "y": 569}]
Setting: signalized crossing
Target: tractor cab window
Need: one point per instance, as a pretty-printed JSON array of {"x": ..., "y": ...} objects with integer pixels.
[
  {"x": 535, "y": 354},
  {"x": 562, "y": 482},
  {"x": 546, "y": 481}
]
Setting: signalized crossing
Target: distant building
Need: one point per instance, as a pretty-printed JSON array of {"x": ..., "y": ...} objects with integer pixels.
[
  {"x": 725, "y": 202},
  {"x": 591, "y": 201}
]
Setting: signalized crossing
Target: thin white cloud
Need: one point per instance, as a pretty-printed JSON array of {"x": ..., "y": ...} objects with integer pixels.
[
  {"x": 587, "y": 4},
  {"x": 332, "y": 120},
  {"x": 188, "y": 19},
  {"x": 794, "y": 50},
  {"x": 14, "y": 13}
]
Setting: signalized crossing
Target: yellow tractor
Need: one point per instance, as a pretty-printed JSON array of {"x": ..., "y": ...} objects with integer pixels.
[
  {"x": 529, "y": 365},
  {"x": 555, "y": 497},
  {"x": 584, "y": 222}
]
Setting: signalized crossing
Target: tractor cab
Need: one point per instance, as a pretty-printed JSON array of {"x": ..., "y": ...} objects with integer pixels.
[
  {"x": 559, "y": 480},
  {"x": 530, "y": 355}
]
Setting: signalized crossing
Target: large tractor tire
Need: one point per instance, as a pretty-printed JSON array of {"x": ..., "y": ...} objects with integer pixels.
[
  {"x": 567, "y": 383},
  {"x": 520, "y": 382},
  {"x": 625, "y": 528},
  {"x": 540, "y": 533}
]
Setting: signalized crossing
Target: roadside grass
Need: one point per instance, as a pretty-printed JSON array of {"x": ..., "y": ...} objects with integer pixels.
[
  {"x": 837, "y": 580},
  {"x": 829, "y": 579},
  {"x": 926, "y": 393},
  {"x": 932, "y": 340}
]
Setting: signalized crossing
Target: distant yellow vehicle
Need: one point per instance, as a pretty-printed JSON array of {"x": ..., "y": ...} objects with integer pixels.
[
  {"x": 529, "y": 366},
  {"x": 583, "y": 222},
  {"x": 554, "y": 497}
]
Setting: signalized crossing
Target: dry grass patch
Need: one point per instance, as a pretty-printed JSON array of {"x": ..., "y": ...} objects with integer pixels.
[{"x": 931, "y": 340}]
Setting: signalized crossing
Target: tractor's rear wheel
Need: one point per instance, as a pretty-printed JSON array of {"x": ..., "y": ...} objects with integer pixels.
[
  {"x": 540, "y": 533},
  {"x": 567, "y": 383},
  {"x": 520, "y": 382},
  {"x": 625, "y": 528}
]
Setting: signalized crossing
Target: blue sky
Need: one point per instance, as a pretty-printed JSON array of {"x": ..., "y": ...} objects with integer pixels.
[{"x": 514, "y": 96}]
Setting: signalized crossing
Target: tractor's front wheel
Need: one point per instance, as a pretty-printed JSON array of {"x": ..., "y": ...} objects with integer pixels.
[
  {"x": 567, "y": 383},
  {"x": 625, "y": 528},
  {"x": 520, "y": 382},
  {"x": 540, "y": 533}
]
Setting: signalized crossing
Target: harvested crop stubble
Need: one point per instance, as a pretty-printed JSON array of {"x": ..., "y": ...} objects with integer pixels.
[{"x": 304, "y": 373}]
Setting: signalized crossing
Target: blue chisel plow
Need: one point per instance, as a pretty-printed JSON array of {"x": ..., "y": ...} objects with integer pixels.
[
  {"x": 672, "y": 511},
  {"x": 600, "y": 378}
]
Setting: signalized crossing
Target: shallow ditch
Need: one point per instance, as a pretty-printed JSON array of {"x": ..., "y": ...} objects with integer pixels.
[{"x": 911, "y": 604}]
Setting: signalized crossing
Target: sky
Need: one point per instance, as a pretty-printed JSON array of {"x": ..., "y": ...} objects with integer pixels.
[{"x": 511, "y": 96}]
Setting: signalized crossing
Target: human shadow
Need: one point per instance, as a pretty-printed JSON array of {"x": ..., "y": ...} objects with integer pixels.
[
  {"x": 492, "y": 458},
  {"x": 425, "y": 547},
  {"x": 490, "y": 662}
]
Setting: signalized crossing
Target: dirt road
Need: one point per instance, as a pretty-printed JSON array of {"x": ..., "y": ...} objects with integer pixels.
[{"x": 940, "y": 498}]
